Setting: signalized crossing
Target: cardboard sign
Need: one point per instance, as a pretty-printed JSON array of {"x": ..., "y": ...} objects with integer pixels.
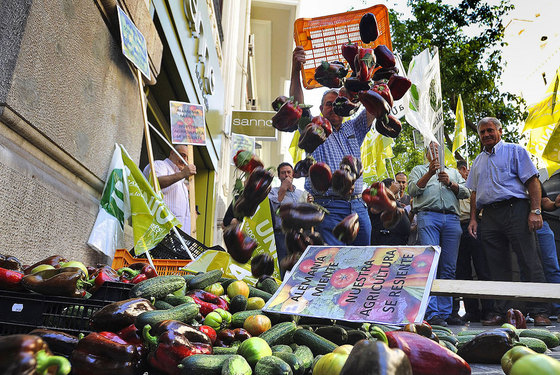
[
  {"x": 188, "y": 126},
  {"x": 382, "y": 284},
  {"x": 240, "y": 142},
  {"x": 253, "y": 123},
  {"x": 133, "y": 43}
]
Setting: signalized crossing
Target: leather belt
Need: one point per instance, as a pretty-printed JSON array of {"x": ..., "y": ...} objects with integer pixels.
[
  {"x": 337, "y": 198},
  {"x": 438, "y": 210},
  {"x": 503, "y": 203}
]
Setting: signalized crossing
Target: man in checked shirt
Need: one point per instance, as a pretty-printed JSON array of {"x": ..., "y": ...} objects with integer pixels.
[{"x": 345, "y": 139}]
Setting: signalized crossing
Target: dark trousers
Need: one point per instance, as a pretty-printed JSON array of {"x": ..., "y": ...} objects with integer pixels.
[
  {"x": 506, "y": 226},
  {"x": 471, "y": 252}
]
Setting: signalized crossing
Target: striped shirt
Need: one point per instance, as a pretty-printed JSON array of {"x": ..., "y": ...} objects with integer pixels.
[
  {"x": 175, "y": 196},
  {"x": 346, "y": 141}
]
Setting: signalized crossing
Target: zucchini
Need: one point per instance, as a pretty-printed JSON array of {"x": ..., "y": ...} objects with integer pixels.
[
  {"x": 442, "y": 328},
  {"x": 224, "y": 350},
  {"x": 317, "y": 344},
  {"x": 449, "y": 338},
  {"x": 281, "y": 333},
  {"x": 545, "y": 335},
  {"x": 183, "y": 313},
  {"x": 449, "y": 346},
  {"x": 537, "y": 345},
  {"x": 271, "y": 365},
  {"x": 255, "y": 292},
  {"x": 291, "y": 359},
  {"x": 335, "y": 333},
  {"x": 239, "y": 317},
  {"x": 157, "y": 287},
  {"x": 238, "y": 303},
  {"x": 268, "y": 285},
  {"x": 281, "y": 348},
  {"x": 174, "y": 300},
  {"x": 472, "y": 332},
  {"x": 203, "y": 364},
  {"x": 305, "y": 355},
  {"x": 162, "y": 305},
  {"x": 225, "y": 281},
  {"x": 236, "y": 365},
  {"x": 205, "y": 279}
]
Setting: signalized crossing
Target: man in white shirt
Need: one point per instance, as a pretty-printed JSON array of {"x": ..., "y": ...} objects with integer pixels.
[{"x": 172, "y": 175}]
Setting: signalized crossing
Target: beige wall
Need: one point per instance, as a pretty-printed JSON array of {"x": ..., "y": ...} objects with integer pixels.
[{"x": 66, "y": 96}]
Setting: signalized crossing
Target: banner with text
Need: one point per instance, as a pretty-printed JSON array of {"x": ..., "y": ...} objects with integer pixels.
[
  {"x": 379, "y": 284},
  {"x": 254, "y": 124},
  {"x": 188, "y": 126}
]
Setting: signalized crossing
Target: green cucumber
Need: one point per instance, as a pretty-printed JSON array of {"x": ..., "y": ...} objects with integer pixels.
[
  {"x": 238, "y": 318},
  {"x": 224, "y": 350},
  {"x": 271, "y": 365},
  {"x": 449, "y": 338},
  {"x": 162, "y": 305},
  {"x": 472, "y": 332},
  {"x": 268, "y": 285},
  {"x": 281, "y": 348},
  {"x": 317, "y": 344},
  {"x": 236, "y": 365},
  {"x": 255, "y": 292},
  {"x": 205, "y": 279},
  {"x": 449, "y": 346},
  {"x": 442, "y": 328},
  {"x": 537, "y": 345},
  {"x": 174, "y": 300},
  {"x": 335, "y": 333},
  {"x": 183, "y": 313},
  {"x": 203, "y": 364},
  {"x": 157, "y": 287},
  {"x": 238, "y": 303},
  {"x": 355, "y": 335},
  {"x": 305, "y": 355},
  {"x": 291, "y": 359},
  {"x": 225, "y": 281},
  {"x": 545, "y": 335},
  {"x": 281, "y": 333}
]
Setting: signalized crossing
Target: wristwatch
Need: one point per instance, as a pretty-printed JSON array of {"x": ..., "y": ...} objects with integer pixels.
[{"x": 536, "y": 212}]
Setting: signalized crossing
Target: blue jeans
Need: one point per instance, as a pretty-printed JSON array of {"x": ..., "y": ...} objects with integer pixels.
[
  {"x": 547, "y": 246},
  {"x": 338, "y": 210},
  {"x": 442, "y": 230}
]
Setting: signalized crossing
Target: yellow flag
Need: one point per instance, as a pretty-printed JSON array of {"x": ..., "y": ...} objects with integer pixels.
[
  {"x": 450, "y": 161},
  {"x": 547, "y": 111},
  {"x": 375, "y": 149},
  {"x": 460, "y": 129},
  {"x": 296, "y": 152}
]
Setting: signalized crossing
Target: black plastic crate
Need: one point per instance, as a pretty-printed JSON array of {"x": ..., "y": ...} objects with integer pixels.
[
  {"x": 113, "y": 291},
  {"x": 171, "y": 248},
  {"x": 23, "y": 312}
]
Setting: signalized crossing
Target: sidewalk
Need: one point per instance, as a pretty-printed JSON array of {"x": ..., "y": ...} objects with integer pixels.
[{"x": 484, "y": 369}]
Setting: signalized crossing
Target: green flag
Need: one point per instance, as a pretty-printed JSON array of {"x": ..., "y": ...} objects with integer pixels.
[{"x": 151, "y": 218}]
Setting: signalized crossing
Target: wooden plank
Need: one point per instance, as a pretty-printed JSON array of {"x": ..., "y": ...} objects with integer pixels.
[
  {"x": 192, "y": 202},
  {"x": 497, "y": 290}
]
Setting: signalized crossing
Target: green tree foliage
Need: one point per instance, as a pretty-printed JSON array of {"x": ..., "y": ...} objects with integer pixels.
[{"x": 469, "y": 37}]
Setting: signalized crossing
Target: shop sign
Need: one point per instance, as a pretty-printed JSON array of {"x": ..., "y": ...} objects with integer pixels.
[
  {"x": 254, "y": 124},
  {"x": 382, "y": 284}
]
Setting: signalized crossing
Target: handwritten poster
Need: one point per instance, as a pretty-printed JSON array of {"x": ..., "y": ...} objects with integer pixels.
[
  {"x": 379, "y": 284},
  {"x": 187, "y": 123},
  {"x": 133, "y": 43},
  {"x": 241, "y": 142}
]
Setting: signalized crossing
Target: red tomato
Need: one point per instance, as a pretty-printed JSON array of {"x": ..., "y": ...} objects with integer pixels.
[
  {"x": 210, "y": 332},
  {"x": 342, "y": 278}
]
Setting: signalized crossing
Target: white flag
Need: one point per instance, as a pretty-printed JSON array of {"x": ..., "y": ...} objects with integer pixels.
[{"x": 425, "y": 110}]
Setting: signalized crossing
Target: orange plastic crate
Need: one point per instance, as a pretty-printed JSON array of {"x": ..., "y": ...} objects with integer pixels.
[
  {"x": 163, "y": 266},
  {"x": 322, "y": 37}
]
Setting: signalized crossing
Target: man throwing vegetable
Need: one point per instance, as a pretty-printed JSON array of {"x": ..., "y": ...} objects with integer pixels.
[{"x": 346, "y": 139}]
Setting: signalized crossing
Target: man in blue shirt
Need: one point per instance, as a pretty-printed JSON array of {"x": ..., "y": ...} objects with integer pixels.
[
  {"x": 504, "y": 182},
  {"x": 345, "y": 139}
]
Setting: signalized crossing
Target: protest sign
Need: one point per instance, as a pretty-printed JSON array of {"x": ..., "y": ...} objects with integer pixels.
[
  {"x": 188, "y": 126},
  {"x": 133, "y": 43},
  {"x": 382, "y": 284}
]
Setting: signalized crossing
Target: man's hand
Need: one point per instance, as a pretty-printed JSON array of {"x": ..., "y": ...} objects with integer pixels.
[
  {"x": 557, "y": 201},
  {"x": 535, "y": 222},
  {"x": 310, "y": 198},
  {"x": 298, "y": 58},
  {"x": 433, "y": 167},
  {"x": 472, "y": 228},
  {"x": 188, "y": 170},
  {"x": 286, "y": 185},
  {"x": 443, "y": 177}
]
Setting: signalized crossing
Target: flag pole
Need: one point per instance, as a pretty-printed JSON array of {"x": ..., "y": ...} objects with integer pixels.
[
  {"x": 148, "y": 145},
  {"x": 392, "y": 170}
]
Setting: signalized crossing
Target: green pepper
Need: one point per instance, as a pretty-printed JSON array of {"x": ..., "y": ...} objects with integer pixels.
[
  {"x": 513, "y": 355},
  {"x": 536, "y": 364},
  {"x": 254, "y": 349}
]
